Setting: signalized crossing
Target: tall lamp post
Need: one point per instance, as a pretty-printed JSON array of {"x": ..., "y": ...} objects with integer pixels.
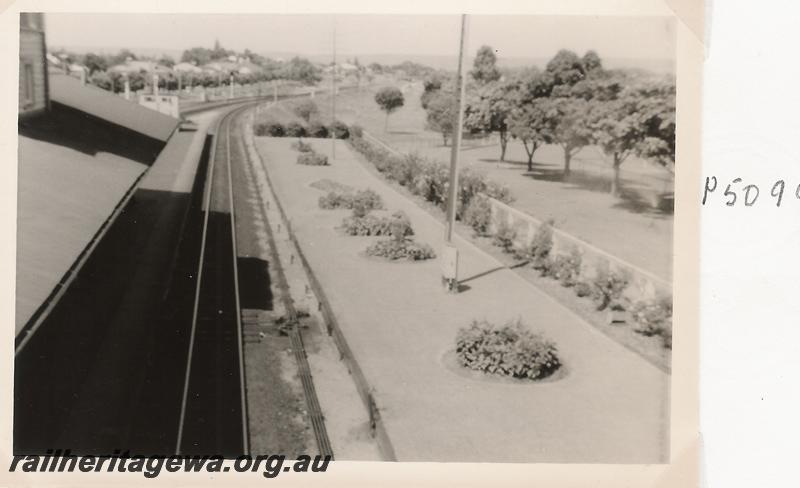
[{"x": 450, "y": 252}]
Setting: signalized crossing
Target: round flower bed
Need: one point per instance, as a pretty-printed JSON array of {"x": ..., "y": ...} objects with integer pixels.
[{"x": 510, "y": 350}]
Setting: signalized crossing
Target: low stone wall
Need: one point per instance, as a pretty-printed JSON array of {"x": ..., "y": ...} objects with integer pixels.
[{"x": 642, "y": 283}]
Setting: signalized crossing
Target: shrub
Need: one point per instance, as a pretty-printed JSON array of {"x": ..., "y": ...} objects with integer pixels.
[
  {"x": 305, "y": 109},
  {"x": 317, "y": 130},
  {"x": 302, "y": 147},
  {"x": 356, "y": 131},
  {"x": 583, "y": 289},
  {"x": 339, "y": 130},
  {"x": 312, "y": 159},
  {"x": 295, "y": 129},
  {"x": 510, "y": 350},
  {"x": 652, "y": 317},
  {"x": 566, "y": 268},
  {"x": 608, "y": 286},
  {"x": 371, "y": 225},
  {"x": 367, "y": 199},
  {"x": 540, "y": 248},
  {"x": 429, "y": 179},
  {"x": 504, "y": 237},
  {"x": 402, "y": 248},
  {"x": 478, "y": 215},
  {"x": 270, "y": 128}
]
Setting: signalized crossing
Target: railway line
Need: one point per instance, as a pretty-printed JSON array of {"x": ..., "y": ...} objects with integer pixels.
[{"x": 213, "y": 417}]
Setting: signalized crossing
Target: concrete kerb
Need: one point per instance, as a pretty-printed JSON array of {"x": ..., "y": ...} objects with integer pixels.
[{"x": 331, "y": 323}]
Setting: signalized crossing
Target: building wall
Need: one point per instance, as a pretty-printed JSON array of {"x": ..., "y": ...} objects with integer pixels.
[{"x": 33, "y": 96}]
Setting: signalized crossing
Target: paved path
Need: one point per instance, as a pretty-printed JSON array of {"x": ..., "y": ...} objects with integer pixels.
[{"x": 611, "y": 407}]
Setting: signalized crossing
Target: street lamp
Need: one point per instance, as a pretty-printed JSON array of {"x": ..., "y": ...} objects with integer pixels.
[{"x": 449, "y": 259}]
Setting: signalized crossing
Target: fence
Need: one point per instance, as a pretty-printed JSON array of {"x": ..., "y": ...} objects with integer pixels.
[{"x": 642, "y": 283}]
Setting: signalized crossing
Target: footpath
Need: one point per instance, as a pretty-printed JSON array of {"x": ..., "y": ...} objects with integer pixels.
[{"x": 609, "y": 406}]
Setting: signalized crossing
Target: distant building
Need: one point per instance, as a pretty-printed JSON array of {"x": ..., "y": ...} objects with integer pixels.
[{"x": 33, "y": 90}]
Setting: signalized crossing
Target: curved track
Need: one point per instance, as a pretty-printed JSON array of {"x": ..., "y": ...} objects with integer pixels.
[{"x": 213, "y": 417}]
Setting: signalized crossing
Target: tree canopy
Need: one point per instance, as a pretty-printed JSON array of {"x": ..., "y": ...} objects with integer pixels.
[{"x": 484, "y": 67}]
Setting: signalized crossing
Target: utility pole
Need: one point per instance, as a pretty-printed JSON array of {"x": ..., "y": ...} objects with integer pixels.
[
  {"x": 333, "y": 95},
  {"x": 450, "y": 252}
]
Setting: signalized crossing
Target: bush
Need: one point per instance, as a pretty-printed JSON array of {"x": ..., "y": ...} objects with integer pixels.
[
  {"x": 583, "y": 289},
  {"x": 339, "y": 130},
  {"x": 363, "y": 198},
  {"x": 356, "y": 131},
  {"x": 305, "y": 109},
  {"x": 510, "y": 350},
  {"x": 504, "y": 237},
  {"x": 478, "y": 215},
  {"x": 312, "y": 159},
  {"x": 566, "y": 268},
  {"x": 429, "y": 179},
  {"x": 652, "y": 317},
  {"x": 295, "y": 129},
  {"x": 317, "y": 130},
  {"x": 270, "y": 128},
  {"x": 371, "y": 225},
  {"x": 608, "y": 286},
  {"x": 302, "y": 147},
  {"x": 540, "y": 248},
  {"x": 403, "y": 248}
]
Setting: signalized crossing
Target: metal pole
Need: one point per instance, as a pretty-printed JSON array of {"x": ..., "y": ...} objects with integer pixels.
[
  {"x": 450, "y": 252},
  {"x": 452, "y": 193},
  {"x": 333, "y": 95}
]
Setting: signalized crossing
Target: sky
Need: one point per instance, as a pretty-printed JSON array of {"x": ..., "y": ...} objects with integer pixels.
[{"x": 512, "y": 36}]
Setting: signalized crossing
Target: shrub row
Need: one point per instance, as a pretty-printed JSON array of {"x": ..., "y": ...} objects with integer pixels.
[
  {"x": 372, "y": 225},
  {"x": 274, "y": 128},
  {"x": 606, "y": 286},
  {"x": 509, "y": 350},
  {"x": 366, "y": 199},
  {"x": 428, "y": 178}
]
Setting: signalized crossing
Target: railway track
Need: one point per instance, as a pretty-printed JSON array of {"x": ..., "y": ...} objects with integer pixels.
[{"x": 213, "y": 416}]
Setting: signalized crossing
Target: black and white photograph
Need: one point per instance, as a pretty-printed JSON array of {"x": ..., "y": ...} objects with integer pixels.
[{"x": 346, "y": 237}]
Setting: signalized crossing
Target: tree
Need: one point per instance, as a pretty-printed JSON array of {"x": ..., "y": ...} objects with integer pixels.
[
  {"x": 568, "y": 126},
  {"x": 566, "y": 68},
  {"x": 166, "y": 60},
  {"x": 616, "y": 129},
  {"x": 491, "y": 110},
  {"x": 121, "y": 57},
  {"x": 529, "y": 122},
  {"x": 196, "y": 55},
  {"x": 302, "y": 70},
  {"x": 484, "y": 68},
  {"x": 640, "y": 121},
  {"x": 441, "y": 114},
  {"x": 101, "y": 79},
  {"x": 431, "y": 85},
  {"x": 389, "y": 99},
  {"x": 591, "y": 62},
  {"x": 95, "y": 63},
  {"x": 656, "y": 114},
  {"x": 305, "y": 109}
]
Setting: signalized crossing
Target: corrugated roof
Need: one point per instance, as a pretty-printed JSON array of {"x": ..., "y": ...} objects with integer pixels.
[{"x": 110, "y": 107}]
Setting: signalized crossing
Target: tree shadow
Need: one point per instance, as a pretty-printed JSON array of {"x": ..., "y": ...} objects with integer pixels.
[{"x": 634, "y": 195}]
